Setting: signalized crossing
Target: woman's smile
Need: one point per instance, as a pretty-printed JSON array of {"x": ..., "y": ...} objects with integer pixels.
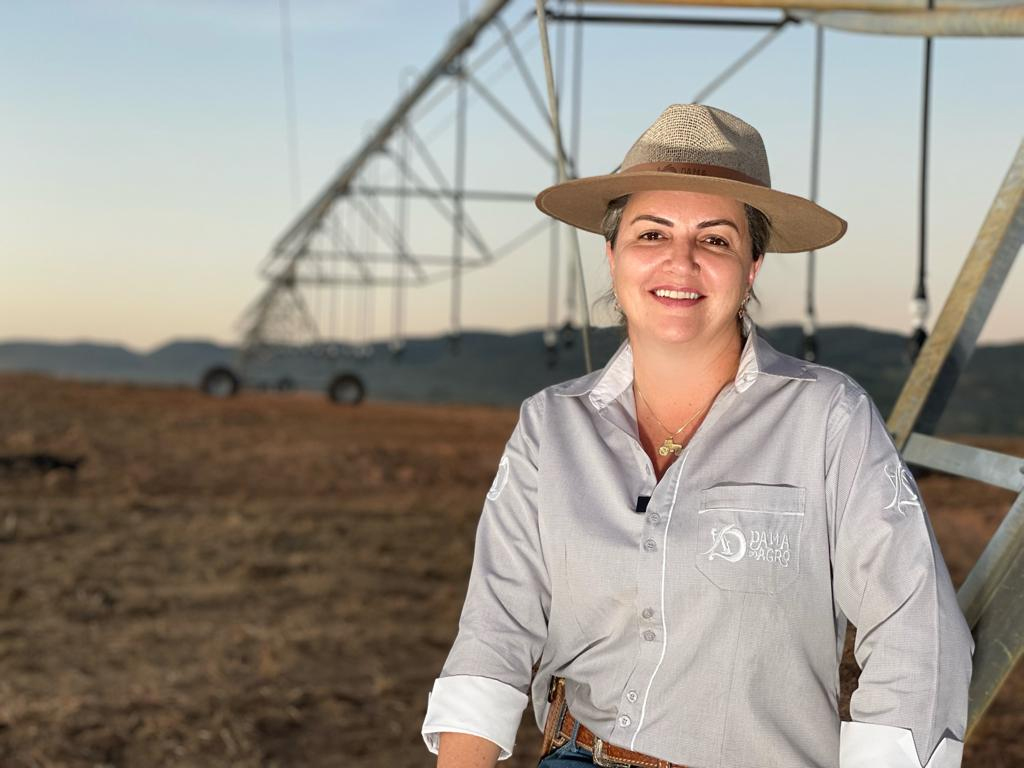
[{"x": 677, "y": 297}]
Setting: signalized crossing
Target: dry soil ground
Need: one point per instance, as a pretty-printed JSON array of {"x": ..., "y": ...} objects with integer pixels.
[{"x": 268, "y": 581}]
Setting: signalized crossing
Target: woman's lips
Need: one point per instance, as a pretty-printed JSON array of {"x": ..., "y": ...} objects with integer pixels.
[{"x": 680, "y": 303}]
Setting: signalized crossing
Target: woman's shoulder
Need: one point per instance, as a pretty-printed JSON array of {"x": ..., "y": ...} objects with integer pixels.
[
  {"x": 823, "y": 388},
  {"x": 773, "y": 361},
  {"x": 561, "y": 394}
]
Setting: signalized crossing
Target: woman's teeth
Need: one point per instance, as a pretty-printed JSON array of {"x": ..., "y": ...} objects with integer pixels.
[{"x": 666, "y": 294}]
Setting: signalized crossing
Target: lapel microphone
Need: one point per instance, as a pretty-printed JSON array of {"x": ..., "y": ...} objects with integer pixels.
[{"x": 641, "y": 504}]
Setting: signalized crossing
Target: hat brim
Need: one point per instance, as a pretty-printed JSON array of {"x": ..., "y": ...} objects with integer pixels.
[{"x": 797, "y": 224}]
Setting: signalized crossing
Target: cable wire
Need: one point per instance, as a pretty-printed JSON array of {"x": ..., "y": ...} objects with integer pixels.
[
  {"x": 560, "y": 156},
  {"x": 741, "y": 62},
  {"x": 288, "y": 67}
]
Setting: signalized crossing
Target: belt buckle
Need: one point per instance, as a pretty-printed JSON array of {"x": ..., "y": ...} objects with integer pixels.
[{"x": 606, "y": 762}]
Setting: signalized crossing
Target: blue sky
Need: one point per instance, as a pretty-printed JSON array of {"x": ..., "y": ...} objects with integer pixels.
[{"x": 145, "y": 166}]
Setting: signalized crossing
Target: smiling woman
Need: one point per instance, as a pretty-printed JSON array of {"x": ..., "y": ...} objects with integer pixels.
[{"x": 678, "y": 595}]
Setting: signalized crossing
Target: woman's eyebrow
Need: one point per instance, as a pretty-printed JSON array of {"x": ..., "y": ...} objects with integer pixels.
[
  {"x": 655, "y": 219},
  {"x": 718, "y": 222}
]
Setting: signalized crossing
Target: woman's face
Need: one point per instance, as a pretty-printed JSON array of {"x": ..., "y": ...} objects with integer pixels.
[{"x": 681, "y": 265}]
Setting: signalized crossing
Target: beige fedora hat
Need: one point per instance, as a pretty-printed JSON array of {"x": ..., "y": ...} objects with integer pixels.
[{"x": 696, "y": 148}]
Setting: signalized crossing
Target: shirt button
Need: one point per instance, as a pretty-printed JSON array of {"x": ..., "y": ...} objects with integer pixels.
[
  {"x": 647, "y": 613},
  {"x": 650, "y": 545},
  {"x": 653, "y": 518},
  {"x": 631, "y": 697},
  {"x": 625, "y": 722},
  {"x": 649, "y": 635}
]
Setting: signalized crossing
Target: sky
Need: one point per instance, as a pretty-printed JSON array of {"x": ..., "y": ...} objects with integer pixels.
[{"x": 146, "y": 174}]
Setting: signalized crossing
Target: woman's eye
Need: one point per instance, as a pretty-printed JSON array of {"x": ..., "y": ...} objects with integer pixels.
[
  {"x": 652, "y": 235},
  {"x": 717, "y": 241}
]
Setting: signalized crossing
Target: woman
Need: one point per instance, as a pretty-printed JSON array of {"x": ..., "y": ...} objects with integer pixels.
[{"x": 682, "y": 536}]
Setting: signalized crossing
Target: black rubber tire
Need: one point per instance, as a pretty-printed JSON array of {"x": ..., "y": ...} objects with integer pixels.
[
  {"x": 285, "y": 384},
  {"x": 220, "y": 381},
  {"x": 346, "y": 389}
]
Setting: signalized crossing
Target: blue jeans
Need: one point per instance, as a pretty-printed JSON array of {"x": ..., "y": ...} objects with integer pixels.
[{"x": 568, "y": 755}]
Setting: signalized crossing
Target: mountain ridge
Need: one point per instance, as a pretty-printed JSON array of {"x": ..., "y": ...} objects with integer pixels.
[{"x": 504, "y": 368}]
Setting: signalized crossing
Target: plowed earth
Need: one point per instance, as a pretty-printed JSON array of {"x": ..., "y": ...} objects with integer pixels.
[{"x": 271, "y": 580}]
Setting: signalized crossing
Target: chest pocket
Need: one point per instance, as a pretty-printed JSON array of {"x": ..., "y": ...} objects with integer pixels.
[{"x": 748, "y": 536}]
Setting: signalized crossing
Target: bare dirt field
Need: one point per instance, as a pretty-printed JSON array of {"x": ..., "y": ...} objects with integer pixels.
[{"x": 269, "y": 581}]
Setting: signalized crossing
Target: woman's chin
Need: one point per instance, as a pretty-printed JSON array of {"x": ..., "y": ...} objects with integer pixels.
[
  {"x": 672, "y": 331},
  {"x": 690, "y": 335}
]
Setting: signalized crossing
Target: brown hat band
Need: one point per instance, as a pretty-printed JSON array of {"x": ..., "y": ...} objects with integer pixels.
[{"x": 695, "y": 169}]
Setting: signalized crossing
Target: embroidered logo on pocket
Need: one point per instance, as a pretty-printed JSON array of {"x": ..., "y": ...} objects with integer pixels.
[
  {"x": 727, "y": 543},
  {"x": 748, "y": 536},
  {"x": 770, "y": 546}
]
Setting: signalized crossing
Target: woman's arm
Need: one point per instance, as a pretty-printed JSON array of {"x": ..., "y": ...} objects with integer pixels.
[
  {"x": 461, "y": 750},
  {"x": 484, "y": 684},
  {"x": 889, "y": 579}
]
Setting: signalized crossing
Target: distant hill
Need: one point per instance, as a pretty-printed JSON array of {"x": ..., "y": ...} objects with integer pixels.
[
  {"x": 503, "y": 369},
  {"x": 179, "y": 362}
]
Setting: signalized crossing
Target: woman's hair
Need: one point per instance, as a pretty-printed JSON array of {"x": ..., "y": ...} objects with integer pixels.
[{"x": 758, "y": 224}]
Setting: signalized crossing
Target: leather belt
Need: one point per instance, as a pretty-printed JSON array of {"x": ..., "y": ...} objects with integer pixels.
[{"x": 558, "y": 730}]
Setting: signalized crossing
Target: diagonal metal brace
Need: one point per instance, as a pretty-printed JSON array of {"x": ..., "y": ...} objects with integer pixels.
[
  {"x": 999, "y": 628},
  {"x": 945, "y": 355}
]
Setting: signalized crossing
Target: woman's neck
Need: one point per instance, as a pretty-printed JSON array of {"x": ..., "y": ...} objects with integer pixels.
[{"x": 677, "y": 379}]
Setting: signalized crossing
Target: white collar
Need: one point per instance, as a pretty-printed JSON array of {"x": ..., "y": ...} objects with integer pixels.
[{"x": 758, "y": 357}]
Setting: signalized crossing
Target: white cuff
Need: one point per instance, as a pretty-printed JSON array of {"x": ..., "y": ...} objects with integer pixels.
[
  {"x": 868, "y": 745},
  {"x": 475, "y": 705}
]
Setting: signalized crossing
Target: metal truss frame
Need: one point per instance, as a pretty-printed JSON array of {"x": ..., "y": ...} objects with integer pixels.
[
  {"x": 992, "y": 596},
  {"x": 318, "y": 251}
]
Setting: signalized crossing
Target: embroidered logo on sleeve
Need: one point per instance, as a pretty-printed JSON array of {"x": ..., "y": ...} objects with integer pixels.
[
  {"x": 500, "y": 479},
  {"x": 723, "y": 541},
  {"x": 903, "y": 494}
]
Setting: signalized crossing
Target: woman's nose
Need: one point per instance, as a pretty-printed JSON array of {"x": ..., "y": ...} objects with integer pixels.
[{"x": 682, "y": 256}]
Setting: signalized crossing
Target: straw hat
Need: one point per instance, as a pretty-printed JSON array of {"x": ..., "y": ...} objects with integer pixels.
[{"x": 695, "y": 148}]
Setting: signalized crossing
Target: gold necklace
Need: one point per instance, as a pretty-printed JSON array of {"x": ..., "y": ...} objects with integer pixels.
[{"x": 669, "y": 446}]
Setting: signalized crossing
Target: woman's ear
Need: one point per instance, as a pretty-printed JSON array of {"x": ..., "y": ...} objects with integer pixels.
[{"x": 755, "y": 267}]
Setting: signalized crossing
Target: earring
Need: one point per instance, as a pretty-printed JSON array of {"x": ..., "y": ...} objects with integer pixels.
[
  {"x": 743, "y": 307},
  {"x": 615, "y": 304}
]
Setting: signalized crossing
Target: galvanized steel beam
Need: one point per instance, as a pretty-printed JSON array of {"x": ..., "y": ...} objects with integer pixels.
[
  {"x": 1007, "y": 21},
  {"x": 679, "y": 21},
  {"x": 990, "y": 467},
  {"x": 985, "y": 577},
  {"x": 823, "y": 5},
  {"x": 469, "y": 194},
  {"x": 460, "y": 42},
  {"x": 998, "y": 632},
  {"x": 945, "y": 354}
]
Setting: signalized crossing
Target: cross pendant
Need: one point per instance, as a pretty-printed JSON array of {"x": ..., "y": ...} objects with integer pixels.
[{"x": 669, "y": 447}]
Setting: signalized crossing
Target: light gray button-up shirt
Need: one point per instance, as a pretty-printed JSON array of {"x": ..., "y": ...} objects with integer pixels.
[{"x": 708, "y": 629}]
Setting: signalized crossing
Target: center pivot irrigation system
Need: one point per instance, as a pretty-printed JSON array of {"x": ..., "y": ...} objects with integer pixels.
[
  {"x": 364, "y": 234},
  {"x": 409, "y": 210}
]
